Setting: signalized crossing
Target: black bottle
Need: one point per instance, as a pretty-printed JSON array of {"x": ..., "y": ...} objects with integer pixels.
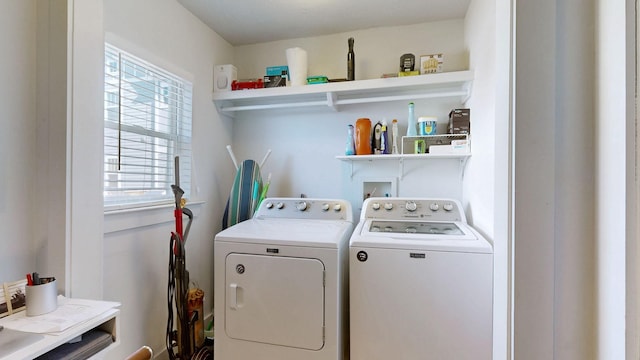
[{"x": 351, "y": 62}]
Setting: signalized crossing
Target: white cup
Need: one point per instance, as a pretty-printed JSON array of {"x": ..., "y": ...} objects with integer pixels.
[
  {"x": 297, "y": 62},
  {"x": 41, "y": 299}
]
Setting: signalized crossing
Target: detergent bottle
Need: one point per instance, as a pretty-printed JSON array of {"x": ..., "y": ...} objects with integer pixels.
[
  {"x": 384, "y": 138},
  {"x": 351, "y": 146},
  {"x": 363, "y": 136}
]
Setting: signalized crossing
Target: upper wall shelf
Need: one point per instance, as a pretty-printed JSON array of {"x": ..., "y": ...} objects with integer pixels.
[{"x": 442, "y": 85}]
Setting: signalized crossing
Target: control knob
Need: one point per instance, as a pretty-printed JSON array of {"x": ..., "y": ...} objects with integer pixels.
[
  {"x": 375, "y": 206},
  {"x": 325, "y": 207},
  {"x": 388, "y": 206},
  {"x": 269, "y": 205},
  {"x": 434, "y": 207},
  {"x": 337, "y": 207},
  {"x": 302, "y": 206},
  {"x": 411, "y": 206},
  {"x": 280, "y": 205},
  {"x": 447, "y": 207}
]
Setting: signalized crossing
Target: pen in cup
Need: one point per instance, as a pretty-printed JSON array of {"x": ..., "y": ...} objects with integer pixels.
[{"x": 35, "y": 279}]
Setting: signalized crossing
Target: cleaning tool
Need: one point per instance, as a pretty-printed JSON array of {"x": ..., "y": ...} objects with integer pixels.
[
  {"x": 183, "y": 338},
  {"x": 265, "y": 189}
]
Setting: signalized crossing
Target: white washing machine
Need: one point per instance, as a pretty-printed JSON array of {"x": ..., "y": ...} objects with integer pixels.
[
  {"x": 421, "y": 283},
  {"x": 281, "y": 282}
]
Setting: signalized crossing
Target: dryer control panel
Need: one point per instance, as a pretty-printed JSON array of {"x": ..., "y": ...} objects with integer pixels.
[
  {"x": 387, "y": 208},
  {"x": 305, "y": 208}
]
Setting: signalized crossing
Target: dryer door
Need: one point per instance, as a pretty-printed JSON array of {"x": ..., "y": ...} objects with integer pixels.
[{"x": 275, "y": 300}]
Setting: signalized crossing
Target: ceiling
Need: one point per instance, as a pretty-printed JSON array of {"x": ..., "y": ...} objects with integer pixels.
[{"x": 243, "y": 22}]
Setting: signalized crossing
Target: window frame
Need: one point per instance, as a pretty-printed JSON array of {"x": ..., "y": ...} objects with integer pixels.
[{"x": 178, "y": 138}]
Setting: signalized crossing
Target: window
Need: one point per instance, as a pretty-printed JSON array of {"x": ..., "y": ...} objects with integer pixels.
[{"x": 147, "y": 123}]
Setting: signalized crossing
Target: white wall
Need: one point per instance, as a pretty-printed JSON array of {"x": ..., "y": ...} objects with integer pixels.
[
  {"x": 554, "y": 185},
  {"x": 486, "y": 187},
  {"x": 615, "y": 161},
  {"x": 136, "y": 244},
  {"x": 304, "y": 143},
  {"x": 17, "y": 137},
  {"x": 377, "y": 50}
]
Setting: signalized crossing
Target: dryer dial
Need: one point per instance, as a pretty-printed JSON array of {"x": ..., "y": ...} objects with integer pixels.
[
  {"x": 325, "y": 207},
  {"x": 337, "y": 207},
  {"x": 375, "y": 206},
  {"x": 434, "y": 207},
  {"x": 302, "y": 206},
  {"x": 411, "y": 206},
  {"x": 447, "y": 207},
  {"x": 280, "y": 205},
  {"x": 388, "y": 206},
  {"x": 269, "y": 205}
]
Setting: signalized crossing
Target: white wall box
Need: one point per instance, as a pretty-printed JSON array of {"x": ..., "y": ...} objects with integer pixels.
[{"x": 455, "y": 84}]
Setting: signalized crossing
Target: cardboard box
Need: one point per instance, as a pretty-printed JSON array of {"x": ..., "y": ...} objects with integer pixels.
[
  {"x": 282, "y": 70},
  {"x": 459, "y": 121},
  {"x": 431, "y": 64},
  {"x": 275, "y": 81}
]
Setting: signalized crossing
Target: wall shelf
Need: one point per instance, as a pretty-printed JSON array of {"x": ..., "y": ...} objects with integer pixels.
[
  {"x": 401, "y": 158},
  {"x": 335, "y": 94}
]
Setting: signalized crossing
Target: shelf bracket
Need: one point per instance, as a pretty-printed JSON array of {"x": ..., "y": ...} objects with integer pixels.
[
  {"x": 467, "y": 88},
  {"x": 331, "y": 100},
  {"x": 463, "y": 166}
]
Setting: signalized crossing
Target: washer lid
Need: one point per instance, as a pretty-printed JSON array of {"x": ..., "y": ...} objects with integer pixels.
[
  {"x": 294, "y": 232},
  {"x": 415, "y": 228},
  {"x": 419, "y": 235}
]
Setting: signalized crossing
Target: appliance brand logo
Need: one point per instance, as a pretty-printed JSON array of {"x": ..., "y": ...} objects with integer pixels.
[{"x": 362, "y": 256}]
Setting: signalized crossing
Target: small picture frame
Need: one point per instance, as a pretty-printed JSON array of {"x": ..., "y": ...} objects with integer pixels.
[
  {"x": 12, "y": 297},
  {"x": 431, "y": 64}
]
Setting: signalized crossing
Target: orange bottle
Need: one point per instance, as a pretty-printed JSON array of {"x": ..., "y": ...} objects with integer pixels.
[{"x": 363, "y": 136}]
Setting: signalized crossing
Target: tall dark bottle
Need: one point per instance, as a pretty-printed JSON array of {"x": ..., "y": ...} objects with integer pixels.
[{"x": 351, "y": 62}]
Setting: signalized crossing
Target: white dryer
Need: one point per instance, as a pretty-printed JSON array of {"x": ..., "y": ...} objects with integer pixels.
[
  {"x": 281, "y": 282},
  {"x": 421, "y": 283}
]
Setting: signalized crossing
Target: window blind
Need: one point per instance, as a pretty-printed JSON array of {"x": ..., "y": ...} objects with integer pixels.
[{"x": 147, "y": 123}]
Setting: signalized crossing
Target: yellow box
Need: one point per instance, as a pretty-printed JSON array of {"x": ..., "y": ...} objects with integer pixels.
[
  {"x": 409, "y": 73},
  {"x": 431, "y": 64}
]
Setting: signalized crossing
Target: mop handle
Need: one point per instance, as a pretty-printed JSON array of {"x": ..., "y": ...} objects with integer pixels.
[
  {"x": 233, "y": 157},
  {"x": 266, "y": 156},
  {"x": 178, "y": 211}
]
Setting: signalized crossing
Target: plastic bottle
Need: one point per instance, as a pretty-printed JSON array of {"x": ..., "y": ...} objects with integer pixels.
[
  {"x": 394, "y": 128},
  {"x": 351, "y": 62},
  {"x": 384, "y": 141},
  {"x": 351, "y": 146},
  {"x": 411, "y": 123},
  {"x": 363, "y": 136},
  {"x": 376, "y": 138}
]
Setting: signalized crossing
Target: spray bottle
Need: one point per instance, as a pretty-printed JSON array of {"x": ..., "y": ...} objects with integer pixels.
[
  {"x": 411, "y": 122},
  {"x": 351, "y": 146}
]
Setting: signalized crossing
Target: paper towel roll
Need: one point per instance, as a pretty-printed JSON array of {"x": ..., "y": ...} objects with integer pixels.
[{"x": 297, "y": 62}]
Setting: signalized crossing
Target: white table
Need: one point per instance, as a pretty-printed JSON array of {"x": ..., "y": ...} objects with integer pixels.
[{"x": 98, "y": 314}]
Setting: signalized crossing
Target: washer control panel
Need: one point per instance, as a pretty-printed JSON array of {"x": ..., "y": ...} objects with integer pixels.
[
  {"x": 305, "y": 208},
  {"x": 412, "y": 208}
]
